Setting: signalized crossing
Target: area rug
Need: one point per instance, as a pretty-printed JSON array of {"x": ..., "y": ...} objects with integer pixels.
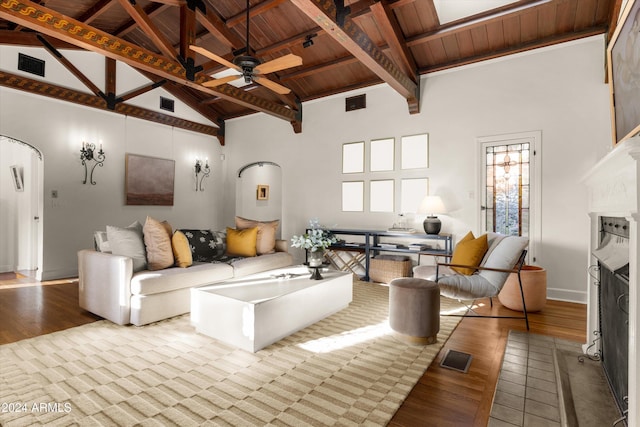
[{"x": 344, "y": 370}]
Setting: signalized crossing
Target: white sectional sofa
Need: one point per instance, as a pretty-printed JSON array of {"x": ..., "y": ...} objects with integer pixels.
[{"x": 110, "y": 288}]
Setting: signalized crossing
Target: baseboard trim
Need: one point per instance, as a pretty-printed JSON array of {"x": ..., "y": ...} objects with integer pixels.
[
  {"x": 58, "y": 274},
  {"x": 579, "y": 297}
]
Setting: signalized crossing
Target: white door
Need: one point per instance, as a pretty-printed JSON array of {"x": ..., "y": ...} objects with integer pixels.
[{"x": 510, "y": 186}]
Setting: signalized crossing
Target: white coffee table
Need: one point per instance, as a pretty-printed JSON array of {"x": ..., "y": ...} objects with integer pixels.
[{"x": 254, "y": 311}]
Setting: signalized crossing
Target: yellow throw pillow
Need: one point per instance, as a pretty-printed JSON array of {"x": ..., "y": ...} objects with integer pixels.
[
  {"x": 266, "y": 240},
  {"x": 181, "y": 249},
  {"x": 469, "y": 251},
  {"x": 242, "y": 242},
  {"x": 158, "y": 243}
]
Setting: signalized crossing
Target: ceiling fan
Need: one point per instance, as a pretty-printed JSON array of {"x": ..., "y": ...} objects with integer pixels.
[{"x": 250, "y": 67}]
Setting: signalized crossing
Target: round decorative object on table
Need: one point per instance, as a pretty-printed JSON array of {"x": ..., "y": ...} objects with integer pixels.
[
  {"x": 432, "y": 225},
  {"x": 534, "y": 286}
]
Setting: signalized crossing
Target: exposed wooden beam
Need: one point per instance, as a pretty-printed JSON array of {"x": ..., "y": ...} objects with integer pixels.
[
  {"x": 28, "y": 14},
  {"x": 471, "y": 22},
  {"x": 356, "y": 41},
  {"x": 182, "y": 93},
  {"x": 151, "y": 11},
  {"x": 217, "y": 27},
  {"x": 110, "y": 77},
  {"x": 253, "y": 11},
  {"x": 320, "y": 68},
  {"x": 70, "y": 67},
  {"x": 87, "y": 100},
  {"x": 30, "y": 38},
  {"x": 613, "y": 19},
  {"x": 172, "y": 2},
  {"x": 536, "y": 44},
  {"x": 187, "y": 38},
  {"x": 149, "y": 28},
  {"x": 392, "y": 33},
  {"x": 96, "y": 11},
  {"x": 141, "y": 90},
  {"x": 289, "y": 42}
]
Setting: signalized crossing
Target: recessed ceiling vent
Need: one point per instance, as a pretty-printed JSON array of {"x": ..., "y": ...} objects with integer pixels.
[
  {"x": 29, "y": 64},
  {"x": 356, "y": 102},
  {"x": 167, "y": 104}
]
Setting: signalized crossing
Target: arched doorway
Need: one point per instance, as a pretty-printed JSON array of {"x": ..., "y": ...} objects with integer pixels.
[
  {"x": 21, "y": 208},
  {"x": 259, "y": 191}
]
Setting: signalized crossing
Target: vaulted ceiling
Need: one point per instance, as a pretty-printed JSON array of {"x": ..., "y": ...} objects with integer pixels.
[{"x": 350, "y": 44}]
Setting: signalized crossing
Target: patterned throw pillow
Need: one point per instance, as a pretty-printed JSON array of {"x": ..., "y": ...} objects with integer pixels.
[{"x": 206, "y": 245}]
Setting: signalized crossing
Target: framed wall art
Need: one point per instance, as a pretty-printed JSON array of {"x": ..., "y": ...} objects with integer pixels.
[
  {"x": 623, "y": 57},
  {"x": 263, "y": 192},
  {"x": 149, "y": 180}
]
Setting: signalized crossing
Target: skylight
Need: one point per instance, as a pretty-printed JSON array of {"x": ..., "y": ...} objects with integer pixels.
[{"x": 452, "y": 10}]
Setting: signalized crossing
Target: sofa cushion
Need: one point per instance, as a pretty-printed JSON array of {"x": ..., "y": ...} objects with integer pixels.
[
  {"x": 170, "y": 279},
  {"x": 266, "y": 240},
  {"x": 469, "y": 251},
  {"x": 128, "y": 241},
  {"x": 157, "y": 239},
  {"x": 242, "y": 242},
  {"x": 181, "y": 249},
  {"x": 206, "y": 245}
]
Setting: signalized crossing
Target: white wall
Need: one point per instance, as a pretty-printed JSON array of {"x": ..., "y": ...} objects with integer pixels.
[
  {"x": 58, "y": 128},
  {"x": 559, "y": 91}
]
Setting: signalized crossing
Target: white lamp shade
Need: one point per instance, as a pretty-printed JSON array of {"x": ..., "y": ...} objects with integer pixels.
[{"x": 432, "y": 205}]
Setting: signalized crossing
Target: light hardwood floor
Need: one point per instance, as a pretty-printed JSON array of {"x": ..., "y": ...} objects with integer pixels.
[{"x": 441, "y": 398}]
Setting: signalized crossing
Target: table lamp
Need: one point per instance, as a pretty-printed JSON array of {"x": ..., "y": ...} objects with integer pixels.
[{"x": 432, "y": 205}]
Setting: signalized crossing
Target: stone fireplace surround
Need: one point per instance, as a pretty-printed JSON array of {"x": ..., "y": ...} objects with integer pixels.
[{"x": 613, "y": 191}]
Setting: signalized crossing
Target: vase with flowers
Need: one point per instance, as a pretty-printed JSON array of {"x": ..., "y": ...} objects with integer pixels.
[{"x": 316, "y": 240}]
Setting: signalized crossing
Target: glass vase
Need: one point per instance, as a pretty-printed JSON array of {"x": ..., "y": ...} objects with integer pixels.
[{"x": 315, "y": 259}]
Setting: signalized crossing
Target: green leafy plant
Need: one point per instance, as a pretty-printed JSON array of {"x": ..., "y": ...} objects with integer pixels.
[{"x": 315, "y": 239}]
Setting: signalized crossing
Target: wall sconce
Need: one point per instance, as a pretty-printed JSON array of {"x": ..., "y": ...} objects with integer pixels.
[
  {"x": 201, "y": 170},
  {"x": 87, "y": 154},
  {"x": 308, "y": 40}
]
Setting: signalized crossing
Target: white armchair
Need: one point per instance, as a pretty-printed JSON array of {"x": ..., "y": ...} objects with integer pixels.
[{"x": 506, "y": 255}]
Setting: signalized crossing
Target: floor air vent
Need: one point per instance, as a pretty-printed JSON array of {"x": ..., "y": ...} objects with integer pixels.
[
  {"x": 456, "y": 360},
  {"x": 29, "y": 64}
]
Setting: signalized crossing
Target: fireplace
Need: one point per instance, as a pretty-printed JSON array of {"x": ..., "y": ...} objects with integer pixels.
[
  {"x": 613, "y": 296},
  {"x": 613, "y": 305}
]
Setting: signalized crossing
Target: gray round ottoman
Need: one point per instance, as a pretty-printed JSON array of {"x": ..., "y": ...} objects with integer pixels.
[{"x": 414, "y": 310}]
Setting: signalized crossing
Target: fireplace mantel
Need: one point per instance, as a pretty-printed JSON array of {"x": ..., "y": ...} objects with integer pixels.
[{"x": 613, "y": 191}]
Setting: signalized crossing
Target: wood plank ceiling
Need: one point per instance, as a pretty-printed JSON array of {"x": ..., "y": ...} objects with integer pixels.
[{"x": 351, "y": 44}]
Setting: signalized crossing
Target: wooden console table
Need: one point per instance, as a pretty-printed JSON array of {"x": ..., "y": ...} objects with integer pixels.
[{"x": 375, "y": 241}]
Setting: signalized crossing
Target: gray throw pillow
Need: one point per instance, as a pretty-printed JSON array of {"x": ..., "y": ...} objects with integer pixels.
[{"x": 129, "y": 241}]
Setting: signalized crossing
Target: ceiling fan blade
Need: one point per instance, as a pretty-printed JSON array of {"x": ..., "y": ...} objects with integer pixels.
[
  {"x": 277, "y": 88},
  {"x": 278, "y": 64},
  {"x": 219, "y": 59},
  {"x": 220, "y": 81}
]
